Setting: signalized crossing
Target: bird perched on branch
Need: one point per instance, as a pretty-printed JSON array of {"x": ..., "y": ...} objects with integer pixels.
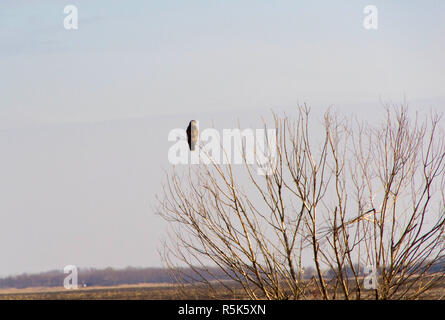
[{"x": 192, "y": 134}]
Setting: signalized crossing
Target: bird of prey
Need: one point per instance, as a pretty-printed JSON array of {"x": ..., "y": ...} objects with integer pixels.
[{"x": 192, "y": 134}]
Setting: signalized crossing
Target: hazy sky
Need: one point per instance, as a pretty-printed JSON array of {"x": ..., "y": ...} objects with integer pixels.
[{"x": 84, "y": 114}]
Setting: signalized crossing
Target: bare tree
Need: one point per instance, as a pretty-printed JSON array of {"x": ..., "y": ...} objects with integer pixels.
[{"x": 354, "y": 196}]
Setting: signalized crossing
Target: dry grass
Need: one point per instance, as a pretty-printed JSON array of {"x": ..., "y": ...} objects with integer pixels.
[
  {"x": 133, "y": 292},
  {"x": 149, "y": 292}
]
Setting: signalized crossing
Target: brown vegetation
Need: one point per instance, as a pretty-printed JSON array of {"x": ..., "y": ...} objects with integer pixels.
[{"x": 160, "y": 291}]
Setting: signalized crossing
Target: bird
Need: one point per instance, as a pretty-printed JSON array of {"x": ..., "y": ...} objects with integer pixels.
[{"x": 192, "y": 134}]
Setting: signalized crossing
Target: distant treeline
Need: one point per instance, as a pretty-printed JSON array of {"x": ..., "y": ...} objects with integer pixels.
[
  {"x": 95, "y": 277},
  {"x": 131, "y": 275}
]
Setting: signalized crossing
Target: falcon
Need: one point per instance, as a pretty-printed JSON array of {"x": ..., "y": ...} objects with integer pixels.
[{"x": 192, "y": 134}]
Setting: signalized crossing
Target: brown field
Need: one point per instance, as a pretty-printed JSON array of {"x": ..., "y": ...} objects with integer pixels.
[
  {"x": 133, "y": 292},
  {"x": 144, "y": 292}
]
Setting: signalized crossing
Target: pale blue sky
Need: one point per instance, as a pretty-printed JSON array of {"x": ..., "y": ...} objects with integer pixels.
[{"x": 81, "y": 111}]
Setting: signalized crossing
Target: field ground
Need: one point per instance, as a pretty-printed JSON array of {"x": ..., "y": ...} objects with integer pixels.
[
  {"x": 132, "y": 292},
  {"x": 140, "y": 292}
]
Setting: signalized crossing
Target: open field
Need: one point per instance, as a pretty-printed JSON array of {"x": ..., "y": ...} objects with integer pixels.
[
  {"x": 142, "y": 292},
  {"x": 122, "y": 292}
]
